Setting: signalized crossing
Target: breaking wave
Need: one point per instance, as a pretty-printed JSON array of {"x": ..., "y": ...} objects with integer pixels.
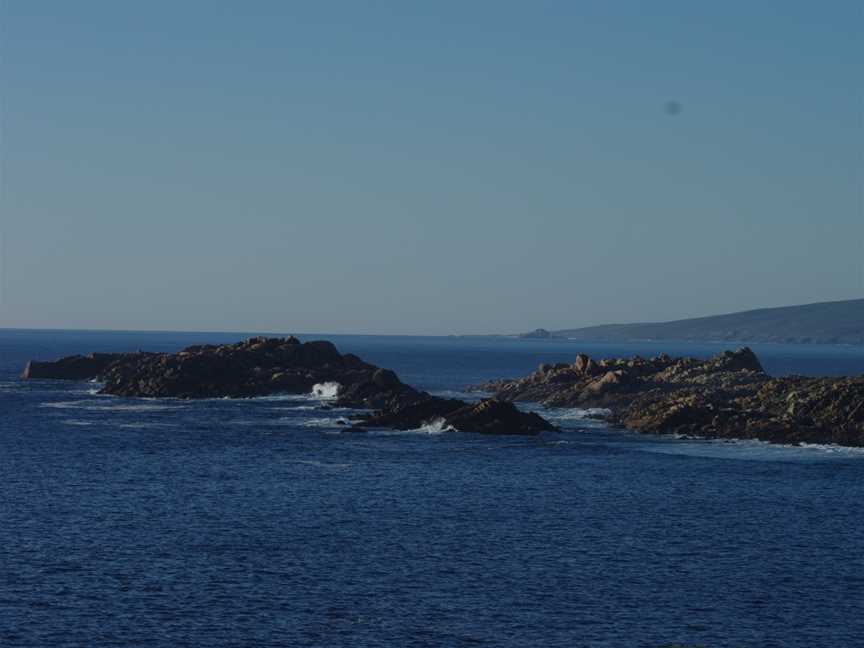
[
  {"x": 834, "y": 449},
  {"x": 326, "y": 391},
  {"x": 747, "y": 449},
  {"x": 276, "y": 398},
  {"x": 438, "y": 426},
  {"x": 432, "y": 428},
  {"x": 326, "y": 422}
]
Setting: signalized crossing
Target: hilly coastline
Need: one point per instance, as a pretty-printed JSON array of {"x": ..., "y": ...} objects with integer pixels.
[{"x": 839, "y": 322}]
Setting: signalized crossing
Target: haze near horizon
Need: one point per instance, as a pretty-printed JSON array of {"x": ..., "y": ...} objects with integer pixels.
[{"x": 456, "y": 168}]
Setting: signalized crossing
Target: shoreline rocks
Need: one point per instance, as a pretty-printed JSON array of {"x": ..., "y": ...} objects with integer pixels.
[
  {"x": 727, "y": 396},
  {"x": 263, "y": 366},
  {"x": 489, "y": 416},
  {"x": 75, "y": 367}
]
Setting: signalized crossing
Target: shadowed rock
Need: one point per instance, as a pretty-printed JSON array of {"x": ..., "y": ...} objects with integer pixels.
[
  {"x": 727, "y": 396},
  {"x": 262, "y": 366},
  {"x": 490, "y": 416},
  {"x": 75, "y": 367}
]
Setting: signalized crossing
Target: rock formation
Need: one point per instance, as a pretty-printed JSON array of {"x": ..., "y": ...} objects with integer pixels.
[
  {"x": 75, "y": 367},
  {"x": 727, "y": 396},
  {"x": 262, "y": 366},
  {"x": 490, "y": 416}
]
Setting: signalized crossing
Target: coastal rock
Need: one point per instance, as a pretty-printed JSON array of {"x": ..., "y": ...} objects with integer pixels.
[
  {"x": 381, "y": 390},
  {"x": 727, "y": 396},
  {"x": 261, "y": 366},
  {"x": 256, "y": 367},
  {"x": 75, "y": 367},
  {"x": 490, "y": 416}
]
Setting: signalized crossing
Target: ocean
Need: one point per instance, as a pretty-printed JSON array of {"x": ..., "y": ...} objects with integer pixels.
[{"x": 263, "y": 522}]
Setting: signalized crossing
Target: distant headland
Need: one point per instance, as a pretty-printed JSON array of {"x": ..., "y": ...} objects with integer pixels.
[{"x": 838, "y": 322}]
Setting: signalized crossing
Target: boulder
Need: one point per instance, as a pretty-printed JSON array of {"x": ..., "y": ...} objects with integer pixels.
[{"x": 581, "y": 363}]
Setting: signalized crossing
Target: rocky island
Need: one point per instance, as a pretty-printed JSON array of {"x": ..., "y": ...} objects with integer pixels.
[
  {"x": 263, "y": 366},
  {"x": 727, "y": 396}
]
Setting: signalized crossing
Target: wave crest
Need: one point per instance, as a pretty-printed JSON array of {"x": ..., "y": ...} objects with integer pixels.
[{"x": 326, "y": 390}]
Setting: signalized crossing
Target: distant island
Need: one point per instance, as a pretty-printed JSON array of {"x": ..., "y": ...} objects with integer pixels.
[{"x": 839, "y": 322}]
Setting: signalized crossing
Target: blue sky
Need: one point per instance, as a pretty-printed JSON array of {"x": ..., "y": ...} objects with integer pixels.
[{"x": 437, "y": 167}]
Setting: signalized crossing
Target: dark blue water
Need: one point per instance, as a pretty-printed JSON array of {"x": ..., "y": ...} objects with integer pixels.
[{"x": 261, "y": 522}]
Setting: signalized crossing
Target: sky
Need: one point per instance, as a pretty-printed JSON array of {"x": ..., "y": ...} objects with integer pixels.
[{"x": 425, "y": 167}]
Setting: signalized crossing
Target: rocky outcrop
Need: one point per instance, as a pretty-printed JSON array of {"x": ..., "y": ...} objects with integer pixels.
[
  {"x": 262, "y": 366},
  {"x": 256, "y": 367},
  {"x": 490, "y": 416},
  {"x": 727, "y": 396},
  {"x": 75, "y": 367},
  {"x": 381, "y": 390}
]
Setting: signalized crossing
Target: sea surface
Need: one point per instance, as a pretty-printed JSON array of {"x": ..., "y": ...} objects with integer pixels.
[{"x": 262, "y": 522}]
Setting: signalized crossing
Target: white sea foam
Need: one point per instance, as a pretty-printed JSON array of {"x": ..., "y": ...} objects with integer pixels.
[
  {"x": 747, "y": 449},
  {"x": 263, "y": 422},
  {"x": 830, "y": 448},
  {"x": 326, "y": 422},
  {"x": 323, "y": 464},
  {"x": 146, "y": 426},
  {"x": 578, "y": 414},
  {"x": 89, "y": 405},
  {"x": 131, "y": 425},
  {"x": 592, "y": 417},
  {"x": 438, "y": 426},
  {"x": 432, "y": 428},
  {"x": 326, "y": 391},
  {"x": 278, "y": 398}
]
